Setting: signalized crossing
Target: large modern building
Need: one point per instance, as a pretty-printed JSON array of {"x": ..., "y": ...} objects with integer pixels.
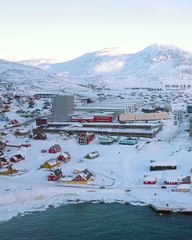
[
  {"x": 117, "y": 106},
  {"x": 62, "y": 108}
]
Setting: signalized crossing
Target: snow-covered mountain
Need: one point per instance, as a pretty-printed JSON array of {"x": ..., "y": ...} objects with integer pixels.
[{"x": 155, "y": 65}]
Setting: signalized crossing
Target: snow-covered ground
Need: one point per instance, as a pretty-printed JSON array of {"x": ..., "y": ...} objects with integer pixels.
[{"x": 119, "y": 172}]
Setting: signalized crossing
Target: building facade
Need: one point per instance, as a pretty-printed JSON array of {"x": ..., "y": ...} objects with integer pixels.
[{"x": 62, "y": 108}]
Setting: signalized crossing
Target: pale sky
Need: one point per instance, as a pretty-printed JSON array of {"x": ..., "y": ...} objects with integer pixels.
[{"x": 65, "y": 29}]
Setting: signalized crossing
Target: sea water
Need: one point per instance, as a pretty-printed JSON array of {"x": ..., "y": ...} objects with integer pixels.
[{"x": 85, "y": 221}]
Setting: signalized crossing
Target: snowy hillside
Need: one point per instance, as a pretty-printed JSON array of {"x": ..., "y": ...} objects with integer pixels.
[
  {"x": 31, "y": 80},
  {"x": 156, "y": 65},
  {"x": 42, "y": 63}
]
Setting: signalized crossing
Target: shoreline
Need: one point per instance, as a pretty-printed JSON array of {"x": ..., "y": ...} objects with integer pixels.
[{"x": 40, "y": 201}]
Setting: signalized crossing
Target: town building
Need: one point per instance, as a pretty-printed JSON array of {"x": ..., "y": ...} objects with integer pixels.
[
  {"x": 121, "y": 106},
  {"x": 62, "y": 108},
  {"x": 190, "y": 126},
  {"x": 189, "y": 108},
  {"x": 44, "y": 95}
]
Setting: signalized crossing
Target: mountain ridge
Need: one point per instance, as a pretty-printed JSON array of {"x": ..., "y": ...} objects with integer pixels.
[{"x": 155, "y": 65}]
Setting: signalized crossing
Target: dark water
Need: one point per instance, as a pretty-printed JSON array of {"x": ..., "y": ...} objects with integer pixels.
[{"x": 98, "y": 221}]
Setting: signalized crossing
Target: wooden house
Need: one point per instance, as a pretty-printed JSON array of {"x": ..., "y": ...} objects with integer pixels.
[
  {"x": 55, "y": 175},
  {"x": 185, "y": 180},
  {"x": 92, "y": 155},
  {"x": 163, "y": 166},
  {"x": 14, "y": 122},
  {"x": 171, "y": 181},
  {"x": 83, "y": 178},
  {"x": 86, "y": 138},
  {"x": 17, "y": 158},
  {"x": 55, "y": 149},
  {"x": 40, "y": 136},
  {"x": 22, "y": 133},
  {"x": 64, "y": 156},
  {"x": 2, "y": 145},
  {"x": 177, "y": 181},
  {"x": 3, "y": 162},
  {"x": 183, "y": 188},
  {"x": 8, "y": 171},
  {"x": 149, "y": 180},
  {"x": 50, "y": 164}
]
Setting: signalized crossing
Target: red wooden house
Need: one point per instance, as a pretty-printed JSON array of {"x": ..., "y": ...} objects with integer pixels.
[
  {"x": 86, "y": 138},
  {"x": 83, "y": 177},
  {"x": 17, "y": 158},
  {"x": 171, "y": 181},
  {"x": 55, "y": 175},
  {"x": 177, "y": 181},
  {"x": 149, "y": 180},
  {"x": 64, "y": 156},
  {"x": 13, "y": 122},
  {"x": 55, "y": 149}
]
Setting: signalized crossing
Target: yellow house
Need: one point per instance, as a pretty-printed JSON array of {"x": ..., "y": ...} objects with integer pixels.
[{"x": 49, "y": 164}]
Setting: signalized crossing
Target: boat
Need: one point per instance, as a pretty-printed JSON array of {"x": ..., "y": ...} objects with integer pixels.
[{"x": 128, "y": 141}]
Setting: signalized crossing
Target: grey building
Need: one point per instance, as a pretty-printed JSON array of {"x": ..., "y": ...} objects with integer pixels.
[
  {"x": 44, "y": 95},
  {"x": 190, "y": 127},
  {"x": 189, "y": 108},
  {"x": 62, "y": 108}
]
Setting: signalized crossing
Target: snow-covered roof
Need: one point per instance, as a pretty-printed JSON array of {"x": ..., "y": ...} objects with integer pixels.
[
  {"x": 149, "y": 178},
  {"x": 164, "y": 163}
]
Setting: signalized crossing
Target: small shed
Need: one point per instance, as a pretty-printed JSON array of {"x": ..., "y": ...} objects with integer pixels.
[
  {"x": 55, "y": 148},
  {"x": 55, "y": 175},
  {"x": 92, "y": 155},
  {"x": 64, "y": 156},
  {"x": 86, "y": 138},
  {"x": 149, "y": 180},
  {"x": 183, "y": 188},
  {"x": 128, "y": 141},
  {"x": 50, "y": 164},
  {"x": 17, "y": 158}
]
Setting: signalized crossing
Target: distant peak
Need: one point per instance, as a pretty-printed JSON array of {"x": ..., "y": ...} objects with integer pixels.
[
  {"x": 111, "y": 51},
  {"x": 160, "y": 46}
]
